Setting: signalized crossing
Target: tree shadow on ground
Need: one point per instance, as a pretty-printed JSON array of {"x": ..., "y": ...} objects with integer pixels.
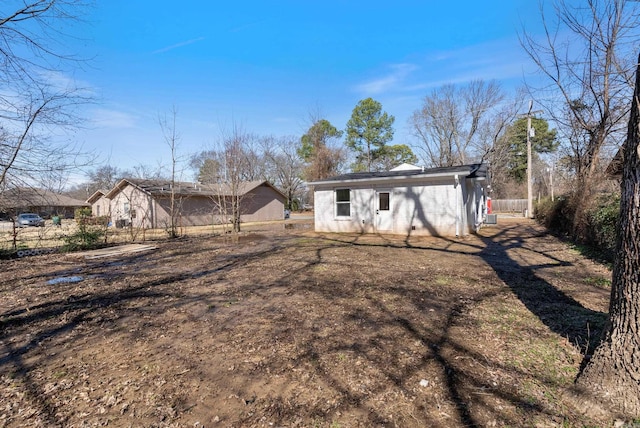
[
  {"x": 24, "y": 329},
  {"x": 439, "y": 346},
  {"x": 394, "y": 313},
  {"x": 560, "y": 312}
]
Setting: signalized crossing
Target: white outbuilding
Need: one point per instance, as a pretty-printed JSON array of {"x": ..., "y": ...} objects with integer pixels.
[{"x": 407, "y": 201}]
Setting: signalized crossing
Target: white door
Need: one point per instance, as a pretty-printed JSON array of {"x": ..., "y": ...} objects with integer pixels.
[{"x": 384, "y": 217}]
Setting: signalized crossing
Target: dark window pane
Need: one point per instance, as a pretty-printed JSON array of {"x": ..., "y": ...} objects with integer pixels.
[
  {"x": 342, "y": 195},
  {"x": 344, "y": 209},
  {"x": 384, "y": 201}
]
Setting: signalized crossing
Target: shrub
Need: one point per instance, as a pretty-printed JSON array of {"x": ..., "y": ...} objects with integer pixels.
[
  {"x": 85, "y": 238},
  {"x": 90, "y": 234},
  {"x": 557, "y": 215},
  {"x": 81, "y": 214},
  {"x": 602, "y": 220},
  {"x": 597, "y": 225}
]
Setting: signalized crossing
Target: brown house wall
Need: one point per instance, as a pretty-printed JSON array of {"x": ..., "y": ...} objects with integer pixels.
[
  {"x": 261, "y": 204},
  {"x": 101, "y": 207},
  {"x": 192, "y": 211}
]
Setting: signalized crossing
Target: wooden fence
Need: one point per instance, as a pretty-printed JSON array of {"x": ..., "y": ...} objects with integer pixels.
[{"x": 508, "y": 205}]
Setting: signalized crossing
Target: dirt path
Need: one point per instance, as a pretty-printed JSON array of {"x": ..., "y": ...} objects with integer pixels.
[{"x": 291, "y": 328}]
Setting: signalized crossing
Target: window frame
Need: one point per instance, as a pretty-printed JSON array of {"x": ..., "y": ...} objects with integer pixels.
[
  {"x": 386, "y": 207},
  {"x": 338, "y": 203}
]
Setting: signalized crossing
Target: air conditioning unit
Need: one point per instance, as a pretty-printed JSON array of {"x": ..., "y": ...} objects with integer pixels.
[{"x": 491, "y": 219}]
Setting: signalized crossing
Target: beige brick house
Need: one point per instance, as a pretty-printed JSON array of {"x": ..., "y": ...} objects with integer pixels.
[{"x": 147, "y": 203}]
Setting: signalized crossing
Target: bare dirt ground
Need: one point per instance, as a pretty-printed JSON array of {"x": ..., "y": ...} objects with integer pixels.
[{"x": 289, "y": 328}]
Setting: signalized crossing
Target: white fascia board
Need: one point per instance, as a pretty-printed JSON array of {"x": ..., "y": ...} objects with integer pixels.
[{"x": 376, "y": 180}]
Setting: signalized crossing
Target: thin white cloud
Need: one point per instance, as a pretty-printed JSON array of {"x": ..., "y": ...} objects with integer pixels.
[
  {"x": 104, "y": 118},
  {"x": 501, "y": 60},
  {"x": 398, "y": 73},
  {"x": 62, "y": 82},
  {"x": 178, "y": 45},
  {"x": 494, "y": 60}
]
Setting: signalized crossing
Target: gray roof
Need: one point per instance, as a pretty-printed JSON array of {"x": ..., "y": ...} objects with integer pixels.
[
  {"x": 96, "y": 195},
  {"x": 183, "y": 188},
  {"x": 19, "y": 197},
  {"x": 472, "y": 170}
]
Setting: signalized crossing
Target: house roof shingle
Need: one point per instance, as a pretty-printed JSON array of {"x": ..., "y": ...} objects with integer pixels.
[
  {"x": 31, "y": 197},
  {"x": 182, "y": 188},
  {"x": 472, "y": 170},
  {"x": 96, "y": 195}
]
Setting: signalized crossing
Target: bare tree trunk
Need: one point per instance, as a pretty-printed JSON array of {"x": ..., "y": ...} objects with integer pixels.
[
  {"x": 171, "y": 139},
  {"x": 613, "y": 374}
]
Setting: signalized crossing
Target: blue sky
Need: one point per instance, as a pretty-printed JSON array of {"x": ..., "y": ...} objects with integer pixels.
[{"x": 264, "y": 66}]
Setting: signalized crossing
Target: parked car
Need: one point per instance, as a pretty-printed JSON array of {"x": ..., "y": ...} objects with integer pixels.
[{"x": 29, "y": 219}]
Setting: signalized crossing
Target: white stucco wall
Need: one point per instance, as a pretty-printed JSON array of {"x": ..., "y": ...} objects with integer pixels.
[
  {"x": 439, "y": 207},
  {"x": 476, "y": 204}
]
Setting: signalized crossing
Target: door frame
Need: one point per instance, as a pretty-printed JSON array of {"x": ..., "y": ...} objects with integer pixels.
[{"x": 386, "y": 218}]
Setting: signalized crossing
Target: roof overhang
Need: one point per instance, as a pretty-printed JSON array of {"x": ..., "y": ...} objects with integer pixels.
[
  {"x": 461, "y": 171},
  {"x": 95, "y": 196},
  {"x": 394, "y": 179}
]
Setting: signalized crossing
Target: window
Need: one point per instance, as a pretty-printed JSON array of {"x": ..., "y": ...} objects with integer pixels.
[
  {"x": 383, "y": 201},
  {"x": 126, "y": 208},
  {"x": 343, "y": 203}
]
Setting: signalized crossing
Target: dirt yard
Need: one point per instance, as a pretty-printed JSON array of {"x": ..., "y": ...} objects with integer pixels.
[{"x": 288, "y": 328}]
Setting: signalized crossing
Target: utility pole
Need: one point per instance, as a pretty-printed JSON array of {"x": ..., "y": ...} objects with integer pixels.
[
  {"x": 529, "y": 161},
  {"x": 529, "y": 183}
]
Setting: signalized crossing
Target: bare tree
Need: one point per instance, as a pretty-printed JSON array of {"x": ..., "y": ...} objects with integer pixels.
[
  {"x": 613, "y": 374},
  {"x": 455, "y": 124},
  {"x": 172, "y": 138},
  {"x": 282, "y": 154},
  {"x": 236, "y": 154},
  {"x": 104, "y": 177},
  {"x": 590, "y": 76},
  {"x": 254, "y": 159},
  {"x": 146, "y": 171},
  {"x": 36, "y": 98}
]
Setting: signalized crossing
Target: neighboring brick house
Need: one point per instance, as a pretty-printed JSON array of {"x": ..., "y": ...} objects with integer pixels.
[
  {"x": 147, "y": 203},
  {"x": 100, "y": 206},
  {"x": 18, "y": 200}
]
